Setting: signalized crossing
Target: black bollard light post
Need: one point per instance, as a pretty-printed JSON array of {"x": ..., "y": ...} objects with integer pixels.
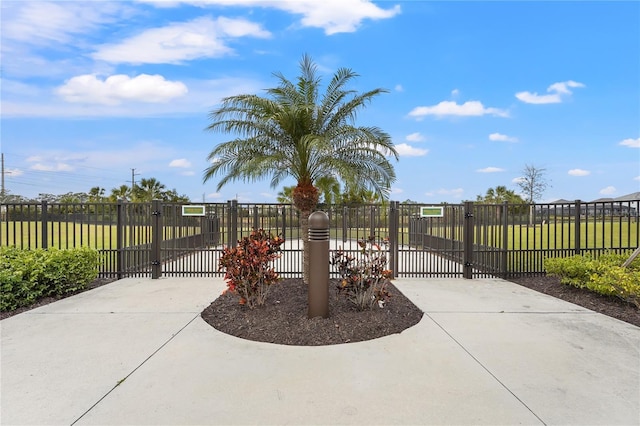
[{"x": 318, "y": 265}]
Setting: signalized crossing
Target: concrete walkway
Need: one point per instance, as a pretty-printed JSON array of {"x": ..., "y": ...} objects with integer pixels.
[{"x": 136, "y": 352}]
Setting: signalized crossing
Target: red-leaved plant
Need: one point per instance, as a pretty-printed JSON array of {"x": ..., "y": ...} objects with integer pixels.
[
  {"x": 247, "y": 270},
  {"x": 364, "y": 279}
]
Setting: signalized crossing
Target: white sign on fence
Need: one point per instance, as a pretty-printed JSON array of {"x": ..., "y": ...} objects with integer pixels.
[
  {"x": 432, "y": 211},
  {"x": 193, "y": 211}
]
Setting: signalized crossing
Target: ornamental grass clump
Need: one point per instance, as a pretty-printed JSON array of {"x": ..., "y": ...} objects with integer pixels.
[
  {"x": 247, "y": 270},
  {"x": 364, "y": 278}
]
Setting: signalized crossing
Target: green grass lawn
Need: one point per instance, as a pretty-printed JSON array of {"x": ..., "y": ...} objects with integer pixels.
[{"x": 28, "y": 234}]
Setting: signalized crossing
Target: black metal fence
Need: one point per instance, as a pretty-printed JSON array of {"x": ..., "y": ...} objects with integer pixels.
[{"x": 470, "y": 239}]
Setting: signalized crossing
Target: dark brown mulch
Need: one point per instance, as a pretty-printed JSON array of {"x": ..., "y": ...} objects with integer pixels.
[
  {"x": 283, "y": 318},
  {"x": 50, "y": 299},
  {"x": 607, "y": 305}
]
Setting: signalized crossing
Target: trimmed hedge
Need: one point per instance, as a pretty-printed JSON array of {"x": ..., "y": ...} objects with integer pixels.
[
  {"x": 604, "y": 275},
  {"x": 28, "y": 275}
]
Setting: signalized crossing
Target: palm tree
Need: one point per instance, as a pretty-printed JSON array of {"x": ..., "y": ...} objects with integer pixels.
[
  {"x": 501, "y": 195},
  {"x": 149, "y": 190},
  {"x": 285, "y": 196},
  {"x": 123, "y": 192},
  {"x": 329, "y": 187},
  {"x": 96, "y": 194},
  {"x": 295, "y": 132}
]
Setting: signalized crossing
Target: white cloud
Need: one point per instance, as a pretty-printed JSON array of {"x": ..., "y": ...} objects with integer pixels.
[
  {"x": 396, "y": 191},
  {"x": 405, "y": 150},
  {"x": 456, "y": 192},
  {"x": 518, "y": 179},
  {"x": 608, "y": 190},
  {"x": 399, "y": 88},
  {"x": 188, "y": 173},
  {"x": 631, "y": 143},
  {"x": 636, "y": 178},
  {"x": 333, "y": 16},
  {"x": 43, "y": 23},
  {"x": 557, "y": 91},
  {"x": 490, "y": 170},
  {"x": 214, "y": 196},
  {"x": 203, "y": 95},
  {"x": 451, "y": 108},
  {"x": 54, "y": 167},
  {"x": 13, "y": 172},
  {"x": 562, "y": 87},
  {"x": 415, "y": 137},
  {"x": 502, "y": 138},
  {"x": 578, "y": 172},
  {"x": 180, "y": 162},
  {"x": 117, "y": 88},
  {"x": 455, "y": 93},
  {"x": 534, "y": 98},
  {"x": 200, "y": 38}
]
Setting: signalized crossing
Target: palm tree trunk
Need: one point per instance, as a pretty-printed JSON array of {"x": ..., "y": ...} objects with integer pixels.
[{"x": 304, "y": 229}]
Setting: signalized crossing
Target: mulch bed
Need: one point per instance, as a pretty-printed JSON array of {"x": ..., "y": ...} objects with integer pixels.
[
  {"x": 284, "y": 317},
  {"x": 607, "y": 305}
]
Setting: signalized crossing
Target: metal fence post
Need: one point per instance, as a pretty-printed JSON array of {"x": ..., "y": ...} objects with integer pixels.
[
  {"x": 345, "y": 212},
  {"x": 256, "y": 223},
  {"x": 505, "y": 240},
  {"x": 234, "y": 223},
  {"x": 156, "y": 240},
  {"x": 284, "y": 222},
  {"x": 43, "y": 220},
  {"x": 467, "y": 257},
  {"x": 393, "y": 237},
  {"x": 372, "y": 220},
  {"x": 318, "y": 265},
  {"x": 120, "y": 266},
  {"x": 578, "y": 236}
]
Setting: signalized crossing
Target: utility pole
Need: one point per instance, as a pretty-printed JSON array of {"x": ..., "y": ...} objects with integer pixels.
[
  {"x": 133, "y": 180},
  {"x": 2, "y": 172}
]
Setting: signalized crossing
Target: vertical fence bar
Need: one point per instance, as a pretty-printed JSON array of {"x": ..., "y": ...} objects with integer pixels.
[
  {"x": 577, "y": 225},
  {"x": 504, "y": 269},
  {"x": 393, "y": 237},
  {"x": 156, "y": 240},
  {"x": 233, "y": 223},
  {"x": 256, "y": 224},
  {"x": 119, "y": 241},
  {"x": 43, "y": 217},
  {"x": 467, "y": 271}
]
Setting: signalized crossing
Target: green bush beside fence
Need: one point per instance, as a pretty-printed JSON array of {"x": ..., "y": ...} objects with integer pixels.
[
  {"x": 604, "y": 275},
  {"x": 28, "y": 275}
]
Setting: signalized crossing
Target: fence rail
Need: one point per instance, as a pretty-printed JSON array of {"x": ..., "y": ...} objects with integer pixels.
[{"x": 470, "y": 239}]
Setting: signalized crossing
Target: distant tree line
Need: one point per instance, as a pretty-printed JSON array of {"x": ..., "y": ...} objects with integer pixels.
[{"x": 144, "y": 191}]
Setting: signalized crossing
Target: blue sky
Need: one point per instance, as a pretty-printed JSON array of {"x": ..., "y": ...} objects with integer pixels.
[{"x": 477, "y": 90}]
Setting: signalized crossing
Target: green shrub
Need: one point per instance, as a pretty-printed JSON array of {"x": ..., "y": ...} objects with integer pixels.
[
  {"x": 28, "y": 275},
  {"x": 574, "y": 270},
  {"x": 617, "y": 281},
  {"x": 604, "y": 275}
]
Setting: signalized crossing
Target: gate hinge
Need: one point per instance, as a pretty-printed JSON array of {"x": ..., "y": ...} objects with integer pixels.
[
  {"x": 468, "y": 264},
  {"x": 155, "y": 213},
  {"x": 155, "y": 262},
  {"x": 468, "y": 215}
]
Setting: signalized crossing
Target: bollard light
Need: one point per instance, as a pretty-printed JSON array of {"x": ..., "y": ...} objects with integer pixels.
[{"x": 318, "y": 265}]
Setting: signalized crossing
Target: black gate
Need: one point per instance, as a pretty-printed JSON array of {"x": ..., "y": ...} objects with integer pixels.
[{"x": 449, "y": 240}]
